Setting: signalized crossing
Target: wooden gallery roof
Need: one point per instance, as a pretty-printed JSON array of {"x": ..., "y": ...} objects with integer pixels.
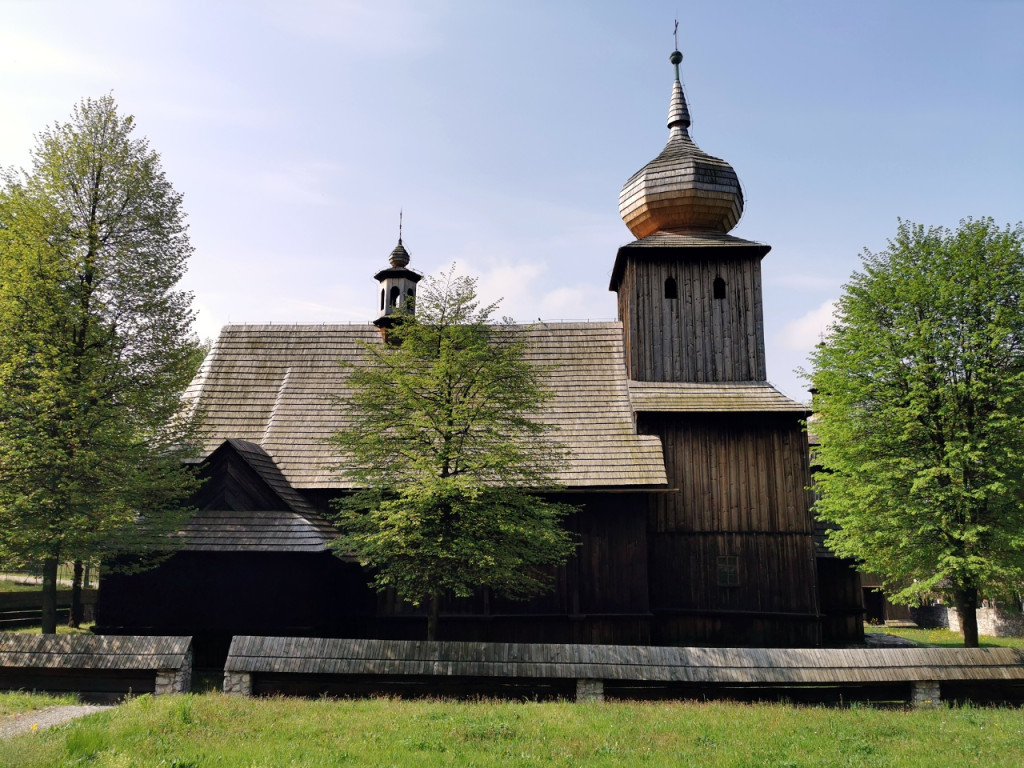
[
  {"x": 293, "y": 526},
  {"x": 273, "y": 386}
]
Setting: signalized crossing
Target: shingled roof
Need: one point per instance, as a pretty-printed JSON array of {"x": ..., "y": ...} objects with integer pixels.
[
  {"x": 273, "y": 386},
  {"x": 218, "y": 530},
  {"x": 292, "y": 526},
  {"x": 713, "y": 397}
]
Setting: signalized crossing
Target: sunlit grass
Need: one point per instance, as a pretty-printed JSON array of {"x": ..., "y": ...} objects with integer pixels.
[
  {"x": 217, "y": 730},
  {"x": 943, "y": 638},
  {"x": 17, "y": 702},
  {"x": 62, "y": 629}
]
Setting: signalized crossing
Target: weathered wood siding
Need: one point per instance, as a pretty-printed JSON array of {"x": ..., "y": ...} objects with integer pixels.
[
  {"x": 600, "y": 595},
  {"x": 739, "y": 491},
  {"x": 776, "y": 573},
  {"x": 694, "y": 337},
  {"x": 743, "y": 473}
]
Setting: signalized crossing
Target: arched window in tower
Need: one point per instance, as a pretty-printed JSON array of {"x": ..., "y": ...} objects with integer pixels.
[
  {"x": 410, "y": 297},
  {"x": 719, "y": 288},
  {"x": 671, "y": 291},
  {"x": 382, "y": 298},
  {"x": 395, "y": 293}
]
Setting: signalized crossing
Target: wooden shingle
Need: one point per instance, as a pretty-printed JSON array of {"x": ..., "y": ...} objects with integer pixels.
[
  {"x": 711, "y": 397},
  {"x": 274, "y": 386},
  {"x": 748, "y": 666}
]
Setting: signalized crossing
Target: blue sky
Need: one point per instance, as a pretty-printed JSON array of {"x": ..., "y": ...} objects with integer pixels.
[{"x": 297, "y": 130}]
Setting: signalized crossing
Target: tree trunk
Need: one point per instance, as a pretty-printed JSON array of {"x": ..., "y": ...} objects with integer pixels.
[
  {"x": 433, "y": 612},
  {"x": 77, "y": 612},
  {"x": 966, "y": 600},
  {"x": 49, "y": 622}
]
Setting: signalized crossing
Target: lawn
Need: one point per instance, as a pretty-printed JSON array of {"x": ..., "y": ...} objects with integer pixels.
[
  {"x": 943, "y": 638},
  {"x": 62, "y": 629},
  {"x": 216, "y": 730},
  {"x": 10, "y": 585},
  {"x": 18, "y": 702}
]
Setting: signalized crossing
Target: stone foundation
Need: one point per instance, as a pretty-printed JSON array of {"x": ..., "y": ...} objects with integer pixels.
[
  {"x": 926, "y": 694},
  {"x": 175, "y": 680},
  {"x": 238, "y": 683},
  {"x": 589, "y": 690}
]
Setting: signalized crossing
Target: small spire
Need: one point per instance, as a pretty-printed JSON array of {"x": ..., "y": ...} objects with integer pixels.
[
  {"x": 676, "y": 56},
  {"x": 678, "y": 112},
  {"x": 399, "y": 256}
]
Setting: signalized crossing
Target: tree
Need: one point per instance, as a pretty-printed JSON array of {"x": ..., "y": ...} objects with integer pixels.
[
  {"x": 445, "y": 445},
  {"x": 920, "y": 402},
  {"x": 96, "y": 348}
]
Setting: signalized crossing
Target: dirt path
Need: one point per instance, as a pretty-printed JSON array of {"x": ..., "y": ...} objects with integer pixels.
[{"x": 41, "y": 719}]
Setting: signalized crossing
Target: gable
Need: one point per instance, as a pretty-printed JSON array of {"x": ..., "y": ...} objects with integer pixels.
[{"x": 246, "y": 504}]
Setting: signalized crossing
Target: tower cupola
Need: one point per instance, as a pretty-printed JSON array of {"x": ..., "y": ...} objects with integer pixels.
[
  {"x": 683, "y": 188},
  {"x": 397, "y": 285}
]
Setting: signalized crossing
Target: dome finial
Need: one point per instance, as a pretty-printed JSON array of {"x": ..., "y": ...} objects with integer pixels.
[
  {"x": 399, "y": 256},
  {"x": 683, "y": 188},
  {"x": 678, "y": 112},
  {"x": 676, "y": 56}
]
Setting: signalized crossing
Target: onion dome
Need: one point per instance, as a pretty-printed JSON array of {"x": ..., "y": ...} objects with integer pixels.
[
  {"x": 683, "y": 188},
  {"x": 399, "y": 257}
]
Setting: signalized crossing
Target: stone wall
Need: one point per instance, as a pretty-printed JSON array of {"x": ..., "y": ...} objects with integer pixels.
[
  {"x": 994, "y": 622},
  {"x": 238, "y": 683},
  {"x": 175, "y": 680}
]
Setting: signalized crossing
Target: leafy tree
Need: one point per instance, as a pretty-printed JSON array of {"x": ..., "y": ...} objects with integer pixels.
[
  {"x": 920, "y": 401},
  {"x": 95, "y": 348},
  {"x": 445, "y": 445}
]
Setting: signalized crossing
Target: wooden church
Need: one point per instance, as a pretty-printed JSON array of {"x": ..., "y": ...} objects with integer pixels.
[{"x": 689, "y": 468}]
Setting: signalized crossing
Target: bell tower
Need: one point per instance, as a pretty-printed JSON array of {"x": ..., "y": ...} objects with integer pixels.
[
  {"x": 397, "y": 286},
  {"x": 689, "y": 294}
]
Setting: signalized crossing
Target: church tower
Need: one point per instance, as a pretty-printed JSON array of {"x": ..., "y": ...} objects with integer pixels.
[
  {"x": 689, "y": 294},
  {"x": 397, "y": 286},
  {"x": 731, "y": 555}
]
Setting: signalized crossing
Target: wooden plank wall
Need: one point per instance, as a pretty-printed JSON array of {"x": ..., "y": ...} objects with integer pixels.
[
  {"x": 733, "y": 472},
  {"x": 740, "y": 483},
  {"x": 607, "y": 578},
  {"x": 695, "y": 337}
]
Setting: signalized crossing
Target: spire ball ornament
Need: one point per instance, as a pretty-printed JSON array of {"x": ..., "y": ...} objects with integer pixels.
[{"x": 683, "y": 188}]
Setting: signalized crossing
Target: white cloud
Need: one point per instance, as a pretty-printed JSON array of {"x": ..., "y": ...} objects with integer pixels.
[{"x": 806, "y": 331}]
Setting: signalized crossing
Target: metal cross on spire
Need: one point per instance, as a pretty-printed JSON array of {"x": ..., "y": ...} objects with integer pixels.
[
  {"x": 399, "y": 226},
  {"x": 675, "y": 34}
]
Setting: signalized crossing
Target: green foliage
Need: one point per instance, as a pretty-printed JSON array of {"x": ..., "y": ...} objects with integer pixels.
[
  {"x": 95, "y": 345},
  {"x": 920, "y": 403},
  {"x": 445, "y": 443}
]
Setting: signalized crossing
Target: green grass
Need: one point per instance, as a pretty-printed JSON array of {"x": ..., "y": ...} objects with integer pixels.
[
  {"x": 9, "y": 585},
  {"x": 17, "y": 702},
  {"x": 943, "y": 638},
  {"x": 216, "y": 730},
  {"x": 62, "y": 629}
]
